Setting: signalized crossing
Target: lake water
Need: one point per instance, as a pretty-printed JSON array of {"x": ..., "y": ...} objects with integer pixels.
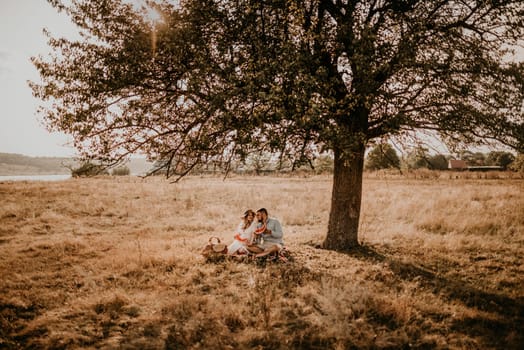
[{"x": 34, "y": 177}]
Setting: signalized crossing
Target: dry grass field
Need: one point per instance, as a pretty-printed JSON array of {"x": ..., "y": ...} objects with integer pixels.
[{"x": 113, "y": 263}]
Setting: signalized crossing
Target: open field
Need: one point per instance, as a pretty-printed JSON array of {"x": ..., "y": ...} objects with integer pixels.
[{"x": 114, "y": 263}]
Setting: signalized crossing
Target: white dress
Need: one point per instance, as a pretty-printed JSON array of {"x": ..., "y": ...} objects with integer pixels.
[{"x": 242, "y": 238}]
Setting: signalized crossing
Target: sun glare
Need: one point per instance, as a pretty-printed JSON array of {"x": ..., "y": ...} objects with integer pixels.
[{"x": 153, "y": 15}]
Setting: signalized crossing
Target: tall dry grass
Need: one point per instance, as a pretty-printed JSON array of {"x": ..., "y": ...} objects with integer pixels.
[{"x": 114, "y": 263}]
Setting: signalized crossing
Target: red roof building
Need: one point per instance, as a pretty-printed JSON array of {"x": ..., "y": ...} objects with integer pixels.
[{"x": 457, "y": 164}]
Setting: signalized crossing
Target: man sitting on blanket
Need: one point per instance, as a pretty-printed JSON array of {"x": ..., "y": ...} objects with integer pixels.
[{"x": 268, "y": 235}]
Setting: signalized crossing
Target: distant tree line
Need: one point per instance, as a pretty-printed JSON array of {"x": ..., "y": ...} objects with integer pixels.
[
  {"x": 381, "y": 156},
  {"x": 384, "y": 156}
]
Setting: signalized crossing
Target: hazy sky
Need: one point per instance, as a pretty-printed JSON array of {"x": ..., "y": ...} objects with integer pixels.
[{"x": 21, "y": 24}]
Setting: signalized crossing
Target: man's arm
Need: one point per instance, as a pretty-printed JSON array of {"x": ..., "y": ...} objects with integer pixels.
[{"x": 275, "y": 228}]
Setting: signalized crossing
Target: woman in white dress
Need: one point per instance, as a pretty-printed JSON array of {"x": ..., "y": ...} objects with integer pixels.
[{"x": 243, "y": 234}]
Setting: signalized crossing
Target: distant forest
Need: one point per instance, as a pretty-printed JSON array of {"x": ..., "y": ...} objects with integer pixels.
[{"x": 18, "y": 164}]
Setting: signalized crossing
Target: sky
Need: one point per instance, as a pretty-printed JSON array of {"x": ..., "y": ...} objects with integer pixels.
[{"x": 21, "y": 36}]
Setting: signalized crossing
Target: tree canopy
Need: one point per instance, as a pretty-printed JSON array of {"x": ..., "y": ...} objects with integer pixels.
[{"x": 217, "y": 80}]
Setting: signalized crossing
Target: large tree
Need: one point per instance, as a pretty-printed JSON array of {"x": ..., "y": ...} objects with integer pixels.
[{"x": 216, "y": 80}]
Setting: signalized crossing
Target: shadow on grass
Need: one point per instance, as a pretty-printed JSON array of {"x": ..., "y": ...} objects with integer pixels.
[{"x": 502, "y": 331}]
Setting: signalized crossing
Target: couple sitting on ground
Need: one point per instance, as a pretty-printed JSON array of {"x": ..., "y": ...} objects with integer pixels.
[{"x": 259, "y": 237}]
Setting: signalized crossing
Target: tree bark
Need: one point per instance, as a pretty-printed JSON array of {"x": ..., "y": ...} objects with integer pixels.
[{"x": 346, "y": 199}]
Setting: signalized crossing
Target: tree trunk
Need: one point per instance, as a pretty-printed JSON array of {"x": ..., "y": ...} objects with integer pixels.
[{"x": 345, "y": 199}]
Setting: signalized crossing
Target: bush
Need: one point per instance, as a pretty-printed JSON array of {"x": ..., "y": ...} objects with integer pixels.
[
  {"x": 382, "y": 156},
  {"x": 121, "y": 171},
  {"x": 502, "y": 159},
  {"x": 88, "y": 169},
  {"x": 518, "y": 164},
  {"x": 437, "y": 162}
]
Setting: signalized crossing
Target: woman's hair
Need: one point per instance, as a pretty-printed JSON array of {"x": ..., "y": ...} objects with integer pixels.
[{"x": 246, "y": 213}]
